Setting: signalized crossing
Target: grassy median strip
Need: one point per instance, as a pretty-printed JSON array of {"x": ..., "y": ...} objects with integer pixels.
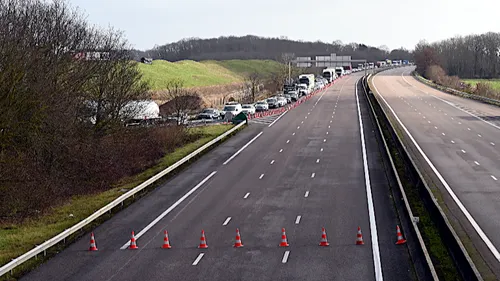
[{"x": 16, "y": 239}]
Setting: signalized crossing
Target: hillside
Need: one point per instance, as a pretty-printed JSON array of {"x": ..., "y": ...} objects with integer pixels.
[{"x": 205, "y": 73}]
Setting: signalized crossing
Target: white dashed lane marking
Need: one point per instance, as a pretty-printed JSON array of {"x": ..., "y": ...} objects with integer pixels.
[
  {"x": 306, "y": 194},
  {"x": 463, "y": 151},
  {"x": 477, "y": 163},
  {"x": 246, "y": 195},
  {"x": 313, "y": 174},
  {"x": 261, "y": 176},
  {"x": 493, "y": 177},
  {"x": 297, "y": 220},
  {"x": 272, "y": 162},
  {"x": 317, "y": 160},
  {"x": 198, "y": 259},
  {"x": 285, "y": 257},
  {"x": 226, "y": 221}
]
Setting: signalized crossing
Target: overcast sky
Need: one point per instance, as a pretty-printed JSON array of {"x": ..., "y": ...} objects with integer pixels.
[{"x": 394, "y": 23}]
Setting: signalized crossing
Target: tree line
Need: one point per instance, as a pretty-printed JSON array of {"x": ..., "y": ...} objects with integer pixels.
[
  {"x": 64, "y": 90},
  {"x": 254, "y": 47},
  {"x": 472, "y": 56}
]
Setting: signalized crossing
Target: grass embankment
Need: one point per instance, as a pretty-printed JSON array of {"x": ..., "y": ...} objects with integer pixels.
[
  {"x": 17, "y": 239},
  {"x": 494, "y": 83},
  {"x": 205, "y": 73}
]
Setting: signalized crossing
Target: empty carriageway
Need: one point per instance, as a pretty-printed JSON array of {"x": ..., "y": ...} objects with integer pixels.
[
  {"x": 317, "y": 166},
  {"x": 455, "y": 140}
]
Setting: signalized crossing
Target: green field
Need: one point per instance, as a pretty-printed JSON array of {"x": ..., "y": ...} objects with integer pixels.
[
  {"x": 205, "y": 73},
  {"x": 495, "y": 83}
]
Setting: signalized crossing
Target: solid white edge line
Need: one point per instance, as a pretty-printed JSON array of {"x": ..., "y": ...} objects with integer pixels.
[
  {"x": 241, "y": 149},
  {"x": 170, "y": 209},
  {"x": 377, "y": 263},
  {"x": 197, "y": 260},
  {"x": 227, "y": 221},
  {"x": 297, "y": 220},
  {"x": 457, "y": 201},
  {"x": 246, "y": 195},
  {"x": 285, "y": 257},
  {"x": 276, "y": 120}
]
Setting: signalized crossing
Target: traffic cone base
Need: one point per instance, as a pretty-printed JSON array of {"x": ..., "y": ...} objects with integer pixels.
[
  {"x": 203, "y": 241},
  {"x": 93, "y": 246}
]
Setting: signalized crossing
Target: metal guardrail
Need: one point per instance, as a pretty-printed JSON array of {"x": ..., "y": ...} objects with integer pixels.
[
  {"x": 455, "y": 92},
  {"x": 63, "y": 235}
]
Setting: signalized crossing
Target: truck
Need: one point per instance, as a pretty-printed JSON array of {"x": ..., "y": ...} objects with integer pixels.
[
  {"x": 329, "y": 74},
  {"x": 347, "y": 69},
  {"x": 307, "y": 79},
  {"x": 339, "y": 71}
]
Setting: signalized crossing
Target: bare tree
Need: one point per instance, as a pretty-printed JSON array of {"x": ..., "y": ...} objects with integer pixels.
[
  {"x": 251, "y": 87},
  {"x": 181, "y": 101}
]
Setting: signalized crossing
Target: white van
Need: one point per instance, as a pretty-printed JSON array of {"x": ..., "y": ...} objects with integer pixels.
[{"x": 232, "y": 110}]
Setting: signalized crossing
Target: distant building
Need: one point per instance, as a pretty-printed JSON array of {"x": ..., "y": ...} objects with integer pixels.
[{"x": 324, "y": 61}]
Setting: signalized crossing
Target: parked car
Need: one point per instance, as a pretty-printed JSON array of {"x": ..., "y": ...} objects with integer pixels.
[
  {"x": 209, "y": 113},
  {"x": 261, "y": 106},
  {"x": 248, "y": 108},
  {"x": 294, "y": 95},
  {"x": 282, "y": 101},
  {"x": 273, "y": 102}
]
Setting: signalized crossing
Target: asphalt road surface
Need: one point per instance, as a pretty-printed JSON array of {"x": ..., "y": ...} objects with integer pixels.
[
  {"x": 302, "y": 171},
  {"x": 459, "y": 137}
]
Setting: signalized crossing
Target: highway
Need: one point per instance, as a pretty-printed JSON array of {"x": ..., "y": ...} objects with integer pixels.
[
  {"x": 458, "y": 136},
  {"x": 314, "y": 166}
]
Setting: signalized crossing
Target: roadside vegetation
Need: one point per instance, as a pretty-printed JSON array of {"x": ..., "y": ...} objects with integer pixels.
[
  {"x": 17, "y": 238},
  {"x": 64, "y": 97},
  {"x": 470, "y": 64}
]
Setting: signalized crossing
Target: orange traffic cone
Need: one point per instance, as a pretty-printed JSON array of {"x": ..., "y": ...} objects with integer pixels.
[
  {"x": 324, "y": 241},
  {"x": 203, "y": 242},
  {"x": 284, "y": 242},
  {"x": 93, "y": 247},
  {"x": 238, "y": 243},
  {"x": 166, "y": 242},
  {"x": 133, "y": 244},
  {"x": 401, "y": 240},
  {"x": 359, "y": 238}
]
